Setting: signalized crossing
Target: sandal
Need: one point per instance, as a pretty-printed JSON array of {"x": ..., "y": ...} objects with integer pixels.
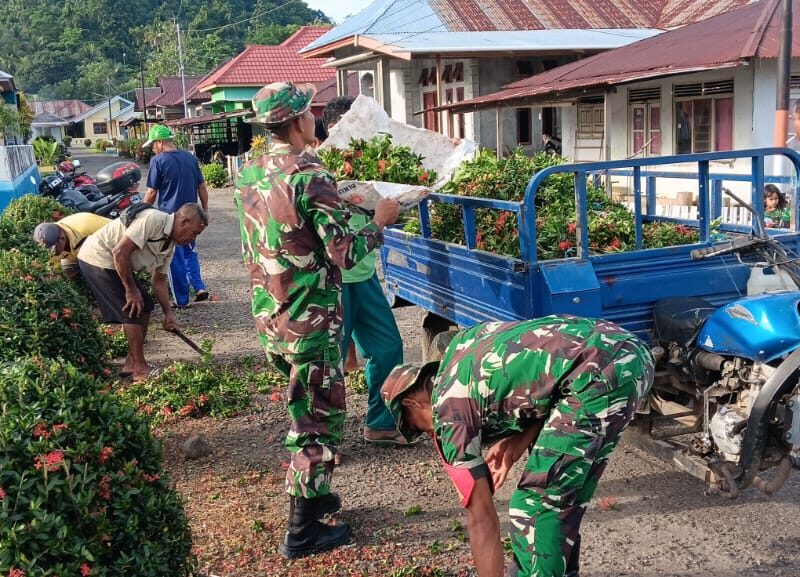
[{"x": 201, "y": 296}]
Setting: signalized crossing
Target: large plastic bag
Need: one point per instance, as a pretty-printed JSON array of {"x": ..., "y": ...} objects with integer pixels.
[{"x": 365, "y": 119}]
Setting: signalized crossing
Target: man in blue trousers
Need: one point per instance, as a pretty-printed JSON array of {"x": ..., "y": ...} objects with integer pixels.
[{"x": 175, "y": 178}]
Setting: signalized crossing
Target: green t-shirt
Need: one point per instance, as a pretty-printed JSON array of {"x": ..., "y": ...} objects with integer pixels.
[{"x": 366, "y": 266}]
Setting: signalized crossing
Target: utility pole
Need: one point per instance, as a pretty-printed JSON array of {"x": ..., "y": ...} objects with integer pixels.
[
  {"x": 144, "y": 94},
  {"x": 110, "y": 134},
  {"x": 180, "y": 62},
  {"x": 784, "y": 70}
]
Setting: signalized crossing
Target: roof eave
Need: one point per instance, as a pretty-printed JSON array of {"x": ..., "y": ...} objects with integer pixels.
[{"x": 532, "y": 97}]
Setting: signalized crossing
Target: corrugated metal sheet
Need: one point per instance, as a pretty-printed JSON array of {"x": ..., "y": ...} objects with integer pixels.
[
  {"x": 476, "y": 15},
  {"x": 412, "y": 17},
  {"x": 172, "y": 90},
  {"x": 385, "y": 17},
  {"x": 515, "y": 41},
  {"x": 726, "y": 40},
  {"x": 66, "y": 109},
  {"x": 260, "y": 65},
  {"x": 150, "y": 95}
]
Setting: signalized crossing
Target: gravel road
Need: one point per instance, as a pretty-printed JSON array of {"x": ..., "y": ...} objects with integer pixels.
[{"x": 647, "y": 519}]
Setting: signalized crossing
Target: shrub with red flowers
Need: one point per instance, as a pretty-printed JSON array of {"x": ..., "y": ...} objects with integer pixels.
[
  {"x": 43, "y": 312},
  {"x": 82, "y": 488},
  {"x": 22, "y": 215},
  {"x": 610, "y": 224},
  {"x": 377, "y": 159}
]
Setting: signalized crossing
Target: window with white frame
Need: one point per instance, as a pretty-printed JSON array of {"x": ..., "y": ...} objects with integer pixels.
[
  {"x": 644, "y": 108},
  {"x": 703, "y": 116}
]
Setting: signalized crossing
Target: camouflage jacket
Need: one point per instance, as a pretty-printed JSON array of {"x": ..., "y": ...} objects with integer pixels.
[
  {"x": 295, "y": 239},
  {"x": 497, "y": 378}
]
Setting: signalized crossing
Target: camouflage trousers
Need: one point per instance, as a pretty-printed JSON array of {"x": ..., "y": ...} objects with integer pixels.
[
  {"x": 316, "y": 404},
  {"x": 569, "y": 456}
]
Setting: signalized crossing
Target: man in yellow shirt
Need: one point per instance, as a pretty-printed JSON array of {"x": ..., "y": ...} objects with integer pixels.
[{"x": 64, "y": 238}]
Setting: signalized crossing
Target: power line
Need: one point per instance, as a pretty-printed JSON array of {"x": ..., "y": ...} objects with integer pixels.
[{"x": 246, "y": 19}]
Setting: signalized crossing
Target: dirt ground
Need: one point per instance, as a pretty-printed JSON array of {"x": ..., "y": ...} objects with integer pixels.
[{"x": 646, "y": 520}]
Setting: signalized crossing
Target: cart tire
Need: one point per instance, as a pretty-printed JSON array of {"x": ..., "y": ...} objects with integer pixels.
[{"x": 432, "y": 326}]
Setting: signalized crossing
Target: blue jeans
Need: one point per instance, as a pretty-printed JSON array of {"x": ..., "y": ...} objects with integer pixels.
[{"x": 185, "y": 271}]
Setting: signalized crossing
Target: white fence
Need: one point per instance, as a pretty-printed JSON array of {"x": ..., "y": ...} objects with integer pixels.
[
  {"x": 730, "y": 214},
  {"x": 14, "y": 161}
]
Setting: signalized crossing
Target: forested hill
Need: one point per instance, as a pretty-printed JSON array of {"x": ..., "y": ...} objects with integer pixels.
[{"x": 88, "y": 48}]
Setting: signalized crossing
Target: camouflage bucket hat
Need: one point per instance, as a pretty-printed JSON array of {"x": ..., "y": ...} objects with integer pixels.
[
  {"x": 279, "y": 102},
  {"x": 394, "y": 389}
]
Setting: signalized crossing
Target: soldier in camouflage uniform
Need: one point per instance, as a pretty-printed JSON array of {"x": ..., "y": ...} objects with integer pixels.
[
  {"x": 563, "y": 387},
  {"x": 295, "y": 239}
]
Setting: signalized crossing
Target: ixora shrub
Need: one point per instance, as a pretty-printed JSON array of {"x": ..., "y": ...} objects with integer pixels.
[
  {"x": 611, "y": 224},
  {"x": 215, "y": 174},
  {"x": 22, "y": 215},
  {"x": 42, "y": 312},
  {"x": 82, "y": 489}
]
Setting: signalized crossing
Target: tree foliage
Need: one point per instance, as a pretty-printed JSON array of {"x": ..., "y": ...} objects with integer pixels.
[{"x": 88, "y": 48}]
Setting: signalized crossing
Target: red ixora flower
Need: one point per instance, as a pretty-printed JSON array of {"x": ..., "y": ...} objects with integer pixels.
[
  {"x": 615, "y": 243},
  {"x": 40, "y": 430},
  {"x": 51, "y": 461},
  {"x": 54, "y": 316},
  {"x": 67, "y": 312},
  {"x": 85, "y": 570},
  {"x": 58, "y": 427},
  {"x": 565, "y": 245},
  {"x": 105, "y": 454},
  {"x": 572, "y": 227},
  {"x": 16, "y": 572},
  {"x": 2, "y": 494}
]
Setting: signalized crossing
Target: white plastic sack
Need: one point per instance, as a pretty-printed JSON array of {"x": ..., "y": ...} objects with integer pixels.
[{"x": 365, "y": 119}]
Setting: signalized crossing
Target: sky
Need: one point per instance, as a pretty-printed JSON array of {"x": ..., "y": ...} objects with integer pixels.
[{"x": 338, "y": 10}]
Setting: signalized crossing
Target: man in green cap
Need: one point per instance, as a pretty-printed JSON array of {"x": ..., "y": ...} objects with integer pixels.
[
  {"x": 174, "y": 179},
  {"x": 296, "y": 239},
  {"x": 563, "y": 388}
]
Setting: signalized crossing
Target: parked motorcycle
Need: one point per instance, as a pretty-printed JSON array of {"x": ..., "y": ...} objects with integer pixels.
[
  {"x": 114, "y": 178},
  {"x": 91, "y": 197},
  {"x": 728, "y": 379}
]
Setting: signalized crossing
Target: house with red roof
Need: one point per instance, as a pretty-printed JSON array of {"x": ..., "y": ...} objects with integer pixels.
[
  {"x": 707, "y": 86},
  {"x": 233, "y": 85},
  {"x": 418, "y": 56},
  {"x": 231, "y": 88}
]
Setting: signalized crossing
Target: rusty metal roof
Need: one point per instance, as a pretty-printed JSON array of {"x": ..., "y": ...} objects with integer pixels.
[
  {"x": 723, "y": 41},
  {"x": 66, "y": 109},
  {"x": 412, "y": 17}
]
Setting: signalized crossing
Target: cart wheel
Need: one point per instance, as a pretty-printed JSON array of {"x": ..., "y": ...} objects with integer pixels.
[{"x": 433, "y": 347}]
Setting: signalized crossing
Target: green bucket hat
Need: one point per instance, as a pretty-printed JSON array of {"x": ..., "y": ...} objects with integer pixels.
[
  {"x": 280, "y": 102},
  {"x": 396, "y": 386},
  {"x": 158, "y": 132}
]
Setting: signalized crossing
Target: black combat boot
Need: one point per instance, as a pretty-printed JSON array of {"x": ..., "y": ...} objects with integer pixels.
[
  {"x": 574, "y": 565},
  {"x": 306, "y": 534},
  {"x": 327, "y": 504}
]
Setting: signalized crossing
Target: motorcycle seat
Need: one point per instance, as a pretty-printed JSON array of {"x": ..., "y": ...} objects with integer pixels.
[{"x": 677, "y": 320}]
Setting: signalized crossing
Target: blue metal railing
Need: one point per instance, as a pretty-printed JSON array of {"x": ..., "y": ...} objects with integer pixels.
[{"x": 709, "y": 194}]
